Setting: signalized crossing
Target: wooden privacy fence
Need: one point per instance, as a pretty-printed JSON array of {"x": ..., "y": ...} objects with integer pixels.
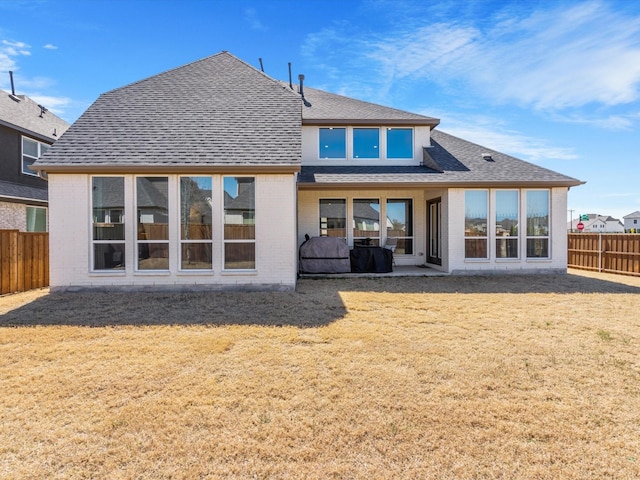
[
  {"x": 24, "y": 261},
  {"x": 605, "y": 252}
]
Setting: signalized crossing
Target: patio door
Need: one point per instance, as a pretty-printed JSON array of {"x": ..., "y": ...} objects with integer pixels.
[{"x": 434, "y": 231}]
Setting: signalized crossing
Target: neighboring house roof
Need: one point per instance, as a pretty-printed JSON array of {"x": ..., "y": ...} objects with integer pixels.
[
  {"x": 450, "y": 161},
  {"x": 22, "y": 193},
  {"x": 216, "y": 112},
  {"x": 324, "y": 108},
  {"x": 23, "y": 114},
  {"x": 635, "y": 214}
]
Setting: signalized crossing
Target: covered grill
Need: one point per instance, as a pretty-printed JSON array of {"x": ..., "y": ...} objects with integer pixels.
[{"x": 324, "y": 255}]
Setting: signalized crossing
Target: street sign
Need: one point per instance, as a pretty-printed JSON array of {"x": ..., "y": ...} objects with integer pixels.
[
  {"x": 584, "y": 217},
  {"x": 580, "y": 226}
]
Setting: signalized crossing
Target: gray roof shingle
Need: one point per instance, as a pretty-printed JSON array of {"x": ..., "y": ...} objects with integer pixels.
[
  {"x": 24, "y": 193},
  {"x": 461, "y": 163},
  {"x": 23, "y": 114},
  {"x": 324, "y": 108},
  {"x": 218, "y": 111}
]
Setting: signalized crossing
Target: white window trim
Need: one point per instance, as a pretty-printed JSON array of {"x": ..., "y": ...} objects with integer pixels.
[
  {"x": 487, "y": 237},
  {"x": 26, "y": 171},
  {"x": 138, "y": 242},
  {"x": 412, "y": 237},
  {"x": 92, "y": 242},
  {"x": 181, "y": 242},
  {"x": 229, "y": 271}
]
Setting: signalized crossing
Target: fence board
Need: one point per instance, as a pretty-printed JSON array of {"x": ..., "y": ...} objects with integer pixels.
[
  {"x": 24, "y": 261},
  {"x": 605, "y": 252}
]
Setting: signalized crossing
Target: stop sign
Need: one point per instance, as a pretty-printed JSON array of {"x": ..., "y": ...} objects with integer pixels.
[{"x": 580, "y": 226}]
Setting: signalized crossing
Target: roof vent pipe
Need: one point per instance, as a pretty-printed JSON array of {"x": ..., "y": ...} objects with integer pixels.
[
  {"x": 13, "y": 90},
  {"x": 261, "y": 66},
  {"x": 301, "y": 79},
  {"x": 290, "y": 84},
  {"x": 487, "y": 157}
]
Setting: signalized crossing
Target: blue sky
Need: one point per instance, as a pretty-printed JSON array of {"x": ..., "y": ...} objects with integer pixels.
[{"x": 556, "y": 82}]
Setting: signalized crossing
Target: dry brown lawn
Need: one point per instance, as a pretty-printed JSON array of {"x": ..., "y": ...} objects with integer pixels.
[{"x": 515, "y": 377}]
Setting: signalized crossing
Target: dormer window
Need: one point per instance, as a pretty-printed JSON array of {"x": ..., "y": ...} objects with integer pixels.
[
  {"x": 366, "y": 143},
  {"x": 31, "y": 151},
  {"x": 399, "y": 143},
  {"x": 333, "y": 142}
]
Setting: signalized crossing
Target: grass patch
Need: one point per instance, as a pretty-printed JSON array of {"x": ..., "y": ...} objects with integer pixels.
[{"x": 467, "y": 377}]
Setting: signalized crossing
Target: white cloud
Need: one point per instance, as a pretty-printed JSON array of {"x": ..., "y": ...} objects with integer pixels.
[
  {"x": 553, "y": 59},
  {"x": 251, "y": 16},
  {"x": 492, "y": 134},
  {"x": 49, "y": 46},
  {"x": 9, "y": 51},
  {"x": 54, "y": 104}
]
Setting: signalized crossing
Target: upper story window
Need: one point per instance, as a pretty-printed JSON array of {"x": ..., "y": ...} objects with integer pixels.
[
  {"x": 31, "y": 151},
  {"x": 399, "y": 143},
  {"x": 333, "y": 142},
  {"x": 366, "y": 143}
]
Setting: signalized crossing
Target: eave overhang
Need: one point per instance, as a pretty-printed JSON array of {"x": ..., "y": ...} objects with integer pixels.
[
  {"x": 432, "y": 123},
  {"x": 93, "y": 168}
]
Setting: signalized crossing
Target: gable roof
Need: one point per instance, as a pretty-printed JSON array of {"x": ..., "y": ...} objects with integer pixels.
[
  {"x": 215, "y": 112},
  {"x": 23, "y": 193},
  {"x": 635, "y": 214},
  {"x": 21, "y": 113},
  {"x": 450, "y": 161},
  {"x": 324, "y": 108}
]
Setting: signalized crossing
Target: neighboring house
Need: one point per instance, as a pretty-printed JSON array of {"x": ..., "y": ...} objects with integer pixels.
[
  {"x": 598, "y": 224},
  {"x": 632, "y": 222},
  {"x": 26, "y": 132},
  {"x": 244, "y": 166}
]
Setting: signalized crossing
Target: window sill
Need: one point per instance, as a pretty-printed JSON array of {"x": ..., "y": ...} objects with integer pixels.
[
  {"x": 108, "y": 273},
  {"x": 539, "y": 260},
  {"x": 199, "y": 273},
  {"x": 151, "y": 273},
  {"x": 239, "y": 272}
]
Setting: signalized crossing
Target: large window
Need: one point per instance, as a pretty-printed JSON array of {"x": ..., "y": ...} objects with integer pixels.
[
  {"x": 333, "y": 218},
  {"x": 366, "y": 221},
  {"x": 537, "y": 223},
  {"x": 239, "y": 223},
  {"x": 333, "y": 143},
  {"x": 36, "y": 219},
  {"x": 108, "y": 223},
  {"x": 507, "y": 208},
  {"x": 399, "y": 143},
  {"x": 475, "y": 223},
  {"x": 195, "y": 223},
  {"x": 400, "y": 224},
  {"x": 152, "y": 206},
  {"x": 366, "y": 142},
  {"x": 31, "y": 151}
]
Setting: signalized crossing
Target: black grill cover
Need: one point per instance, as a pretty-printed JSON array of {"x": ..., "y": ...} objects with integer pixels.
[{"x": 324, "y": 255}]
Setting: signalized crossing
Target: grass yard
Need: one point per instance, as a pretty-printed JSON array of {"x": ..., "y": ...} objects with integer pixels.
[{"x": 514, "y": 377}]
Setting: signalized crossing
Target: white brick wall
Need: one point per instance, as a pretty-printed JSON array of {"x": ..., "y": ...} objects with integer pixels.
[{"x": 70, "y": 237}]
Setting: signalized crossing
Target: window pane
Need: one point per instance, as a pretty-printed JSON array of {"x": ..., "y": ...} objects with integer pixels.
[
  {"x": 333, "y": 143},
  {"x": 475, "y": 248},
  {"x": 153, "y": 256},
  {"x": 239, "y": 222},
  {"x": 399, "y": 143},
  {"x": 239, "y": 256},
  {"x": 333, "y": 218},
  {"x": 36, "y": 219},
  {"x": 400, "y": 224},
  {"x": 29, "y": 147},
  {"x": 507, "y": 207},
  {"x": 108, "y": 256},
  {"x": 475, "y": 213},
  {"x": 196, "y": 256},
  {"x": 538, "y": 247},
  {"x": 365, "y": 143},
  {"x": 108, "y": 208},
  {"x": 195, "y": 208},
  {"x": 239, "y": 208},
  {"x": 153, "y": 208},
  {"x": 537, "y": 213},
  {"x": 26, "y": 163},
  {"x": 366, "y": 221}
]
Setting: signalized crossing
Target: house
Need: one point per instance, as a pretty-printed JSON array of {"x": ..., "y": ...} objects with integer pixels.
[
  {"x": 26, "y": 132},
  {"x": 632, "y": 222},
  {"x": 216, "y": 172},
  {"x": 598, "y": 224}
]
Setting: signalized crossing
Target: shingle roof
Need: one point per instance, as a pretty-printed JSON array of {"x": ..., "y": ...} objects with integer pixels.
[
  {"x": 15, "y": 191},
  {"x": 218, "y": 111},
  {"x": 461, "y": 163},
  {"x": 23, "y": 114},
  {"x": 324, "y": 108}
]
